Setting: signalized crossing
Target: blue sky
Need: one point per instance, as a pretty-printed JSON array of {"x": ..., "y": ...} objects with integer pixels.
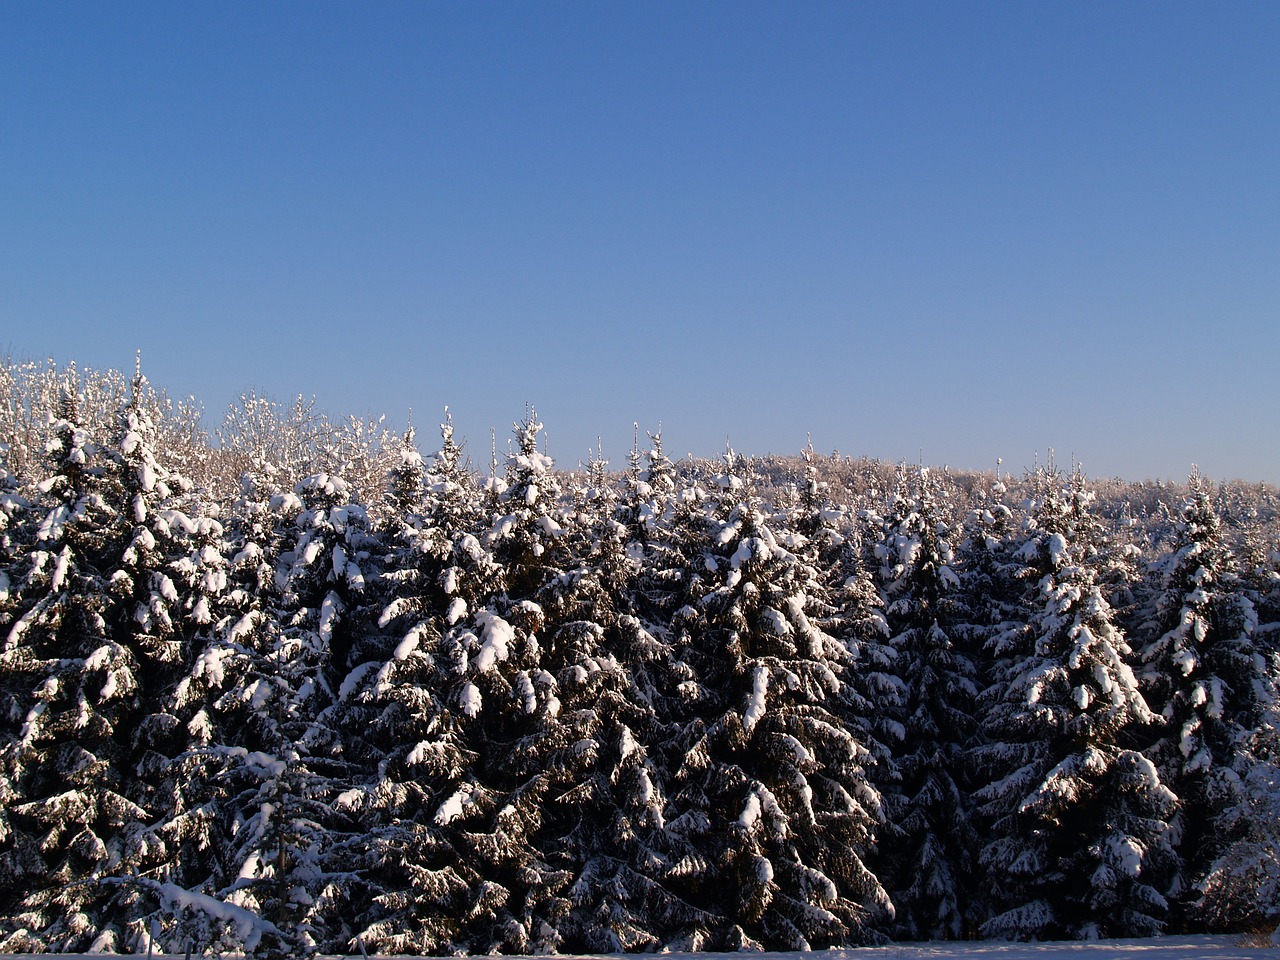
[{"x": 960, "y": 231}]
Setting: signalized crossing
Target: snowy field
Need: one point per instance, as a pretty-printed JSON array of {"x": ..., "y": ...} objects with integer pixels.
[
  {"x": 1167, "y": 948},
  {"x": 1164, "y": 948}
]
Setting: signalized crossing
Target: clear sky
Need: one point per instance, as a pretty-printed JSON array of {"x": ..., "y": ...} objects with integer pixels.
[{"x": 960, "y": 231}]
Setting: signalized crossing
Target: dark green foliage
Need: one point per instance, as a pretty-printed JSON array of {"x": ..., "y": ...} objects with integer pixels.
[{"x": 265, "y": 707}]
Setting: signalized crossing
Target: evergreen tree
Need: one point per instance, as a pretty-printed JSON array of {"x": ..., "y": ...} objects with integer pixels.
[
  {"x": 769, "y": 791},
  {"x": 415, "y": 891},
  {"x": 530, "y": 526},
  {"x": 158, "y": 583},
  {"x": 606, "y": 816},
  {"x": 1241, "y": 888},
  {"x": 931, "y": 868},
  {"x": 1203, "y": 673},
  {"x": 695, "y": 709},
  {"x": 989, "y": 576},
  {"x": 72, "y": 697},
  {"x": 491, "y": 710},
  {"x": 424, "y": 888},
  {"x": 221, "y": 709},
  {"x": 1079, "y": 843},
  {"x": 264, "y": 764},
  {"x": 406, "y": 480}
]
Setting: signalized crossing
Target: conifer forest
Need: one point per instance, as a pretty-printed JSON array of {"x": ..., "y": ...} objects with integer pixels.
[{"x": 305, "y": 684}]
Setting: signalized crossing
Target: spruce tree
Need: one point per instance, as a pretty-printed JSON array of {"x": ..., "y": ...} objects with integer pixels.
[
  {"x": 1203, "y": 673},
  {"x": 1079, "y": 843},
  {"x": 769, "y": 790},
  {"x": 931, "y": 867},
  {"x": 72, "y": 698},
  {"x": 403, "y": 711},
  {"x": 1241, "y": 888}
]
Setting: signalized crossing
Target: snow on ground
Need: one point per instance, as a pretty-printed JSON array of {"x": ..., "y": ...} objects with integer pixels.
[{"x": 1162, "y": 948}]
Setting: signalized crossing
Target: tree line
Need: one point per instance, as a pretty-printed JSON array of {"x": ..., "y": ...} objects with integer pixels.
[{"x": 297, "y": 688}]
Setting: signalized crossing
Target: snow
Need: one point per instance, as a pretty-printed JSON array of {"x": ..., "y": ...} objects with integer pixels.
[
  {"x": 99, "y": 658},
  {"x": 1057, "y": 546},
  {"x": 258, "y": 763},
  {"x": 200, "y": 727},
  {"x": 251, "y": 553},
  {"x": 1127, "y": 854},
  {"x": 627, "y": 743},
  {"x": 453, "y": 808},
  {"x": 352, "y": 680},
  {"x": 60, "y": 570},
  {"x": 164, "y": 586},
  {"x": 285, "y": 503},
  {"x": 469, "y": 700},
  {"x": 764, "y": 870},
  {"x": 31, "y": 726},
  {"x": 395, "y": 609},
  {"x": 498, "y": 636},
  {"x": 330, "y": 610},
  {"x": 408, "y": 645},
  {"x": 504, "y": 526},
  {"x": 752, "y": 548},
  {"x": 424, "y": 750},
  {"x": 310, "y": 552},
  {"x": 756, "y": 704},
  {"x": 249, "y": 927},
  {"x": 776, "y": 622},
  {"x": 1217, "y": 947}
]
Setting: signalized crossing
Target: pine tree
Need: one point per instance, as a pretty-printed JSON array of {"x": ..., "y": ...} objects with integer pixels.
[
  {"x": 322, "y": 580},
  {"x": 1241, "y": 888},
  {"x": 1079, "y": 844},
  {"x": 1203, "y": 673},
  {"x": 528, "y": 526},
  {"x": 71, "y": 693},
  {"x": 487, "y": 710},
  {"x": 222, "y": 710},
  {"x": 416, "y": 890},
  {"x": 604, "y": 822},
  {"x": 158, "y": 582},
  {"x": 402, "y": 713},
  {"x": 769, "y": 791},
  {"x": 264, "y": 764},
  {"x": 932, "y": 864}
]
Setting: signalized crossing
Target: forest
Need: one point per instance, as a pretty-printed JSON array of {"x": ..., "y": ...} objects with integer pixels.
[{"x": 293, "y": 686}]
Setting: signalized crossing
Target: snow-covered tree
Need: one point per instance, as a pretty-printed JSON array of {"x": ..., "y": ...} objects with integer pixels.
[
  {"x": 71, "y": 701},
  {"x": 169, "y": 569},
  {"x": 466, "y": 676},
  {"x": 931, "y": 864},
  {"x": 1203, "y": 673},
  {"x": 264, "y": 762},
  {"x": 1241, "y": 888},
  {"x": 769, "y": 790},
  {"x": 406, "y": 708},
  {"x": 700, "y": 707},
  {"x": 527, "y": 526},
  {"x": 1079, "y": 843}
]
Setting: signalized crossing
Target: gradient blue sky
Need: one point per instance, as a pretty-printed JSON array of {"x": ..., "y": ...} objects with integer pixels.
[{"x": 957, "y": 230}]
